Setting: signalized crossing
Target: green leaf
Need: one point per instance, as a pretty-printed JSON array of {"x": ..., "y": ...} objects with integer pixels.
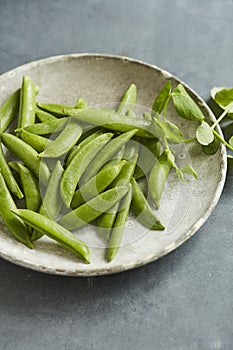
[
  {"x": 169, "y": 130},
  {"x": 184, "y": 104},
  {"x": 224, "y": 98},
  {"x": 188, "y": 169},
  {"x": 231, "y": 141},
  {"x": 212, "y": 148},
  {"x": 204, "y": 134},
  {"x": 162, "y": 98}
]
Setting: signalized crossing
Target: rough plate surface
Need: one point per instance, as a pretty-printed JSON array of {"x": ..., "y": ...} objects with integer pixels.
[{"x": 185, "y": 206}]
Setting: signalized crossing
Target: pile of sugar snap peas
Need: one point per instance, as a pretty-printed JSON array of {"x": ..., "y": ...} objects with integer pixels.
[{"x": 77, "y": 165}]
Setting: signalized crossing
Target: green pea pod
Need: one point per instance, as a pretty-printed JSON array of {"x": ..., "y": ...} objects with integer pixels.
[
  {"x": 45, "y": 128},
  {"x": 143, "y": 210},
  {"x": 158, "y": 177},
  {"x": 106, "y": 154},
  {"x": 54, "y": 231},
  {"x": 105, "y": 221},
  {"x": 64, "y": 142},
  {"x": 14, "y": 224},
  {"x": 118, "y": 227},
  {"x": 55, "y": 109},
  {"x": 44, "y": 117},
  {"x": 107, "y": 118},
  {"x": 128, "y": 100},
  {"x": 9, "y": 110},
  {"x": 92, "y": 209},
  {"x": 30, "y": 186},
  {"x": 35, "y": 141},
  {"x": 52, "y": 202},
  {"x": 97, "y": 184},
  {"x": 27, "y": 155},
  {"x": 150, "y": 151},
  {"x": 27, "y": 103},
  {"x": 82, "y": 143},
  {"x": 8, "y": 176},
  {"x": 79, "y": 163}
]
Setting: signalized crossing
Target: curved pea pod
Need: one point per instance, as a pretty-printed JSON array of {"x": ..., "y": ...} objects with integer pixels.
[
  {"x": 27, "y": 103},
  {"x": 8, "y": 176},
  {"x": 128, "y": 100},
  {"x": 107, "y": 118},
  {"x": 64, "y": 142},
  {"x": 30, "y": 186},
  {"x": 14, "y": 224},
  {"x": 54, "y": 231},
  {"x": 119, "y": 226},
  {"x": 52, "y": 202},
  {"x": 9, "y": 110},
  {"x": 106, "y": 154},
  {"x": 78, "y": 164},
  {"x": 158, "y": 177},
  {"x": 105, "y": 221},
  {"x": 44, "y": 117},
  {"x": 143, "y": 210},
  {"x": 55, "y": 109},
  {"x": 97, "y": 184},
  {"x": 82, "y": 142},
  {"x": 35, "y": 141},
  {"x": 92, "y": 209},
  {"x": 49, "y": 127},
  {"x": 28, "y": 156},
  {"x": 150, "y": 151}
]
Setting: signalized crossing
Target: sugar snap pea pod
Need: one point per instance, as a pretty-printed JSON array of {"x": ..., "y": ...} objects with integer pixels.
[
  {"x": 106, "y": 154},
  {"x": 158, "y": 177},
  {"x": 46, "y": 128},
  {"x": 55, "y": 109},
  {"x": 43, "y": 116},
  {"x": 37, "y": 142},
  {"x": 105, "y": 221},
  {"x": 28, "y": 156},
  {"x": 80, "y": 103},
  {"x": 78, "y": 164},
  {"x": 30, "y": 186},
  {"x": 90, "y": 210},
  {"x": 82, "y": 143},
  {"x": 54, "y": 231},
  {"x": 111, "y": 120},
  {"x": 97, "y": 184},
  {"x": 52, "y": 202},
  {"x": 8, "y": 176},
  {"x": 9, "y": 110},
  {"x": 142, "y": 208},
  {"x": 150, "y": 151},
  {"x": 128, "y": 100},
  {"x": 64, "y": 141},
  {"x": 119, "y": 226},
  {"x": 14, "y": 224},
  {"x": 27, "y": 103}
]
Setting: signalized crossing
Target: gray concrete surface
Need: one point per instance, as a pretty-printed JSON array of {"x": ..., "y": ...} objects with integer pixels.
[{"x": 183, "y": 301}]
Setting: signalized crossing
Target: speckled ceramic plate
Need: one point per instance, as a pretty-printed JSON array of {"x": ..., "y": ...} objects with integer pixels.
[{"x": 185, "y": 206}]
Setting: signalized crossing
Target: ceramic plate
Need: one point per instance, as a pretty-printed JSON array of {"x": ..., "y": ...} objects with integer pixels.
[{"x": 185, "y": 206}]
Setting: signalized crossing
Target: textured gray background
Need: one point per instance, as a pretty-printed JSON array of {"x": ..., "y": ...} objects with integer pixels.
[{"x": 185, "y": 300}]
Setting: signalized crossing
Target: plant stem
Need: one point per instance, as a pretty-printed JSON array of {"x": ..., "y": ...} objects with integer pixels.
[
  {"x": 220, "y": 118},
  {"x": 222, "y": 140}
]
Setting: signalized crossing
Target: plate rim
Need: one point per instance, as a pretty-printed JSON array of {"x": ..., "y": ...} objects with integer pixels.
[{"x": 177, "y": 243}]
